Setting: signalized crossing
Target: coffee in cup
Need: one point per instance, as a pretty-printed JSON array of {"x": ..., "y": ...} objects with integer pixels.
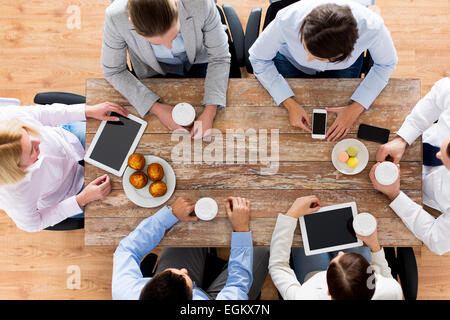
[
  {"x": 206, "y": 209},
  {"x": 183, "y": 114},
  {"x": 364, "y": 224},
  {"x": 386, "y": 173}
]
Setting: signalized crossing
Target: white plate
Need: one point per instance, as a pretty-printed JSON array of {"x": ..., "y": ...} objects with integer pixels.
[
  {"x": 363, "y": 156},
  {"x": 142, "y": 197}
]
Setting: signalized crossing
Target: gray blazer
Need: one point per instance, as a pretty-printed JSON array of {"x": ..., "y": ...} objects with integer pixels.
[{"x": 200, "y": 24}]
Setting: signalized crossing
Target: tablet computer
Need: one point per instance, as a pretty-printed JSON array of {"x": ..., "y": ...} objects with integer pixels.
[
  {"x": 329, "y": 229},
  {"x": 114, "y": 142}
]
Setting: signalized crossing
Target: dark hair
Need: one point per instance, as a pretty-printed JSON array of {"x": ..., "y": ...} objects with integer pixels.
[
  {"x": 348, "y": 279},
  {"x": 152, "y": 17},
  {"x": 166, "y": 286},
  {"x": 330, "y": 32},
  {"x": 448, "y": 150}
]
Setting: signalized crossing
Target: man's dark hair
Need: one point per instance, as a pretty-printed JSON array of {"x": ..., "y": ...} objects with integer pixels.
[
  {"x": 348, "y": 278},
  {"x": 152, "y": 17},
  {"x": 448, "y": 150},
  {"x": 330, "y": 32},
  {"x": 166, "y": 286}
]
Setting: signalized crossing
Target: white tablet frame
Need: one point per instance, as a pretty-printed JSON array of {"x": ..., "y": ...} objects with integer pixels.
[
  {"x": 304, "y": 232},
  {"x": 100, "y": 165}
]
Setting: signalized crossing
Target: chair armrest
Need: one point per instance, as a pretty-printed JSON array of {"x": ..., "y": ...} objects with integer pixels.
[
  {"x": 389, "y": 254},
  {"x": 251, "y": 33},
  {"x": 237, "y": 33},
  {"x": 59, "y": 97},
  {"x": 407, "y": 271}
]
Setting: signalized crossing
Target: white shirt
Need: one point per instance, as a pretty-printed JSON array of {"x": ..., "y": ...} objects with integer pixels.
[
  {"x": 316, "y": 288},
  {"x": 435, "y": 233},
  {"x": 46, "y": 195}
]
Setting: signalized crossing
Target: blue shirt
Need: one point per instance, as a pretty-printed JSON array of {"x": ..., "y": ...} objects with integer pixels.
[
  {"x": 127, "y": 281},
  {"x": 283, "y": 35},
  {"x": 176, "y": 59}
]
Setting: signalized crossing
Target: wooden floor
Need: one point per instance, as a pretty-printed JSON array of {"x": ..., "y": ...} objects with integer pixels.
[{"x": 38, "y": 52}]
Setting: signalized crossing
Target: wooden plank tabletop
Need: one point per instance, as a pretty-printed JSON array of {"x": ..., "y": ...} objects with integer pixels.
[{"x": 303, "y": 166}]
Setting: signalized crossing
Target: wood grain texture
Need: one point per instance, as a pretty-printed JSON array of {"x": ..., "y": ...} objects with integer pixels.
[
  {"x": 303, "y": 165},
  {"x": 40, "y": 53}
]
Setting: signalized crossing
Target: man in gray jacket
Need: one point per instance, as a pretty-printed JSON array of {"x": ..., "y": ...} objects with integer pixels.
[{"x": 166, "y": 38}]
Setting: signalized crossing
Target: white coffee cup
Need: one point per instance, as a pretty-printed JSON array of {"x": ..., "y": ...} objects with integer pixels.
[
  {"x": 206, "y": 209},
  {"x": 386, "y": 173},
  {"x": 183, "y": 114},
  {"x": 364, "y": 224}
]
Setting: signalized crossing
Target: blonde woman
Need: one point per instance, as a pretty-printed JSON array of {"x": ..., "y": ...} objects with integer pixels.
[{"x": 40, "y": 175}]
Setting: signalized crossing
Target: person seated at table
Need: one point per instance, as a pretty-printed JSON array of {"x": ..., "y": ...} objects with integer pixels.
[
  {"x": 41, "y": 178},
  {"x": 339, "y": 276},
  {"x": 180, "y": 271},
  {"x": 166, "y": 38},
  {"x": 435, "y": 106},
  {"x": 324, "y": 39}
]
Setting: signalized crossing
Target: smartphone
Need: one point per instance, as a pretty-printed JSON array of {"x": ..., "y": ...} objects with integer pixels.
[
  {"x": 319, "y": 124},
  {"x": 371, "y": 133}
]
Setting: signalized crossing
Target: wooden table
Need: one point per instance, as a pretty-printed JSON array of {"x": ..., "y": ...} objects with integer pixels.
[{"x": 305, "y": 166}]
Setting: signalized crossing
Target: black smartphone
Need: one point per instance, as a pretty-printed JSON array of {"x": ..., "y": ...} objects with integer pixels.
[{"x": 371, "y": 133}]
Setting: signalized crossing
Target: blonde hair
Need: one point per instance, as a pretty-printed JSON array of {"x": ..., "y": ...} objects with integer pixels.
[{"x": 11, "y": 150}]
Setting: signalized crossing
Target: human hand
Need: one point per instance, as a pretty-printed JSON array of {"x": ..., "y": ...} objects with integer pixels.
[
  {"x": 297, "y": 115},
  {"x": 391, "y": 191},
  {"x": 371, "y": 241},
  {"x": 345, "y": 117},
  {"x": 183, "y": 208},
  {"x": 303, "y": 206},
  {"x": 204, "y": 122},
  {"x": 164, "y": 114},
  {"x": 238, "y": 211},
  {"x": 96, "y": 190},
  {"x": 392, "y": 151},
  {"x": 100, "y": 111}
]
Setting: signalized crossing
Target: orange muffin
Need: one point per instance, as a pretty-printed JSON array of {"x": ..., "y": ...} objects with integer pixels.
[
  {"x": 158, "y": 189},
  {"x": 155, "y": 172},
  {"x": 136, "y": 161},
  {"x": 138, "y": 180}
]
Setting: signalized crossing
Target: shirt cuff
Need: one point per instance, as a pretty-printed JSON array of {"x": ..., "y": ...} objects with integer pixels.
[
  {"x": 241, "y": 239},
  {"x": 409, "y": 133},
  {"x": 364, "y": 96},
  {"x": 398, "y": 204},
  {"x": 166, "y": 217},
  {"x": 70, "y": 207},
  {"x": 281, "y": 91},
  {"x": 378, "y": 256}
]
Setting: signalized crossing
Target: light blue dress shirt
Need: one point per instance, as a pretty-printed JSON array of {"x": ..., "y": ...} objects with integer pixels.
[
  {"x": 176, "y": 58},
  {"x": 127, "y": 281},
  {"x": 282, "y": 35}
]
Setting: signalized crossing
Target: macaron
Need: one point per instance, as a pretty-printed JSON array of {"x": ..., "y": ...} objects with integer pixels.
[{"x": 343, "y": 156}]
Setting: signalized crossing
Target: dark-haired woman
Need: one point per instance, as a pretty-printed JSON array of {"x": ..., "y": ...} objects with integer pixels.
[
  {"x": 324, "y": 39},
  {"x": 348, "y": 276}
]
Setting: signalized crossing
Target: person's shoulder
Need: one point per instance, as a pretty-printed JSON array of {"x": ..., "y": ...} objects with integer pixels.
[
  {"x": 117, "y": 9},
  {"x": 387, "y": 289},
  {"x": 196, "y": 7}
]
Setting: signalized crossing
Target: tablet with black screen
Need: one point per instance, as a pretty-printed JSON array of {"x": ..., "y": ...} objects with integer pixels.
[
  {"x": 329, "y": 229},
  {"x": 114, "y": 142}
]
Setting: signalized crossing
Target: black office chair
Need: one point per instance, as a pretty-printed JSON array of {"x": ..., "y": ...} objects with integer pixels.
[
  {"x": 404, "y": 268},
  {"x": 65, "y": 98},
  {"x": 272, "y": 10},
  {"x": 241, "y": 42}
]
